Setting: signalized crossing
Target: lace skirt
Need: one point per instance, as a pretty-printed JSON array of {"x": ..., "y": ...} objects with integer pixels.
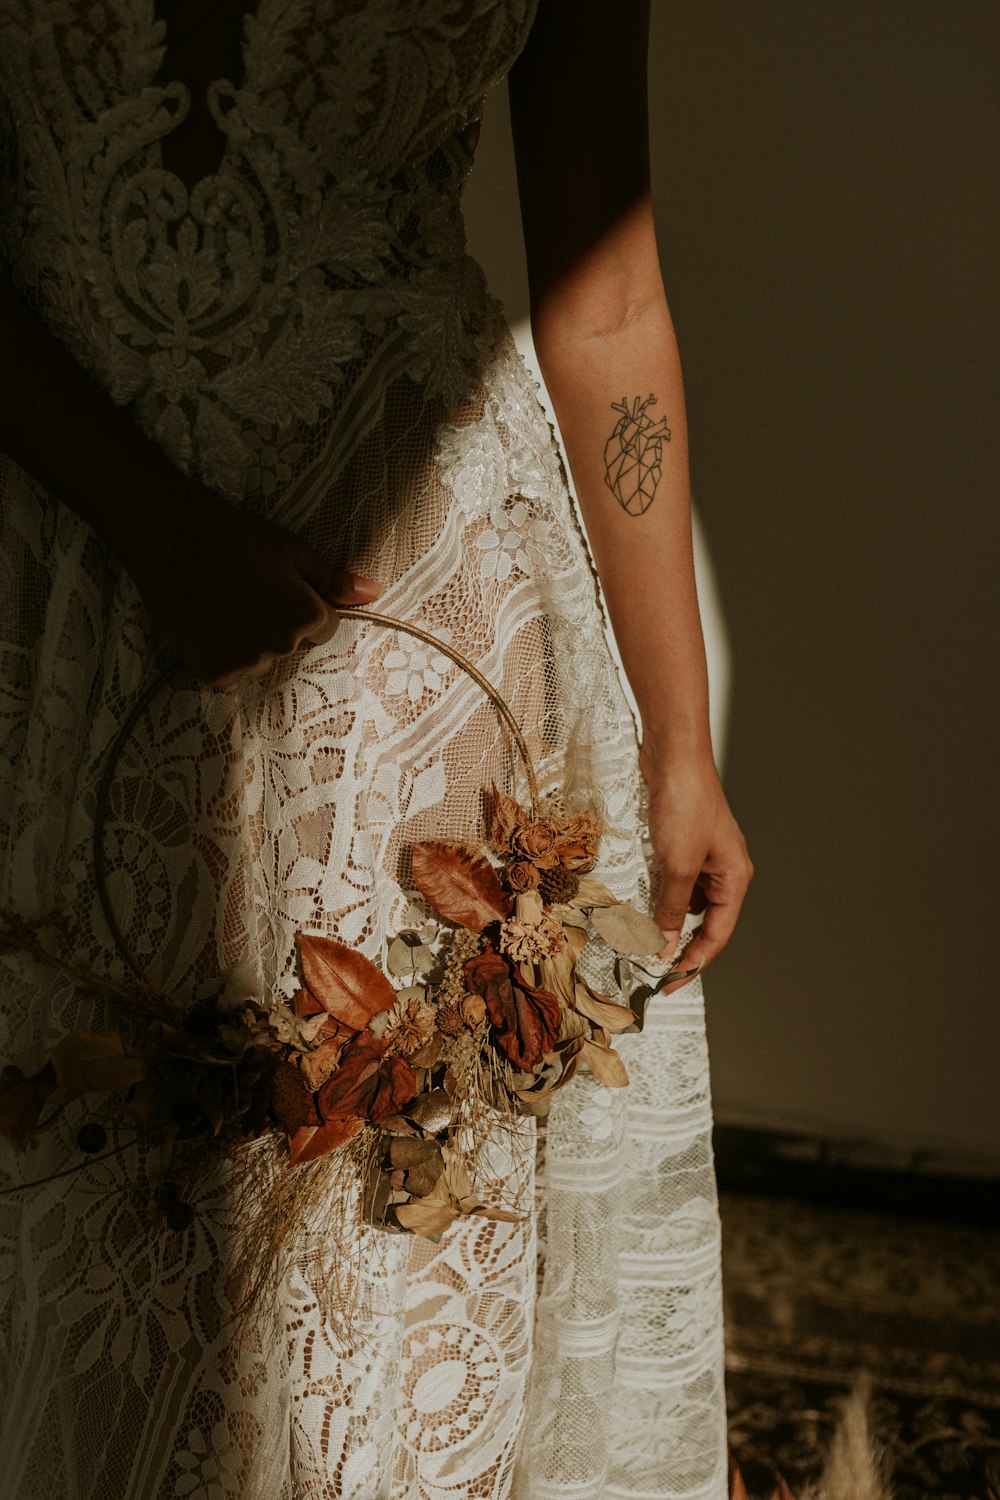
[{"x": 577, "y": 1354}]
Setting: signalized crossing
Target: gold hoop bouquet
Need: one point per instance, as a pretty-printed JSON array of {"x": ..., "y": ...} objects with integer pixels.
[{"x": 388, "y": 1081}]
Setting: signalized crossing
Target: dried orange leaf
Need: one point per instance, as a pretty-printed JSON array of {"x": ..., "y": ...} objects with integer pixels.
[
  {"x": 605, "y": 1064},
  {"x": 343, "y": 981},
  {"x": 314, "y": 1141},
  {"x": 626, "y": 930},
  {"x": 461, "y": 886},
  {"x": 601, "y": 1010}
]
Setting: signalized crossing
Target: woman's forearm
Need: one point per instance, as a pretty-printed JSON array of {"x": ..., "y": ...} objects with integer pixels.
[{"x": 613, "y": 372}]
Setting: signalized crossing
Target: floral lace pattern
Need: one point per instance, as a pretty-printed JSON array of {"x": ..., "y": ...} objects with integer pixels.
[{"x": 303, "y": 330}]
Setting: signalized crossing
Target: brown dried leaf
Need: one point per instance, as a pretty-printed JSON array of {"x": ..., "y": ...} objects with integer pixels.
[
  {"x": 461, "y": 886},
  {"x": 605, "y": 1064},
  {"x": 626, "y": 930},
  {"x": 508, "y": 816},
  {"x": 593, "y": 893},
  {"x": 94, "y": 1061},
  {"x": 432, "y": 1214},
  {"x": 412, "y": 1152},
  {"x": 573, "y": 1025},
  {"x": 558, "y": 972},
  {"x": 343, "y": 981},
  {"x": 601, "y": 1010},
  {"x": 314, "y": 1141}
]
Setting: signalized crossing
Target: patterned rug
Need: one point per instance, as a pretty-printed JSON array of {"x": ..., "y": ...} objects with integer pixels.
[{"x": 815, "y": 1297}]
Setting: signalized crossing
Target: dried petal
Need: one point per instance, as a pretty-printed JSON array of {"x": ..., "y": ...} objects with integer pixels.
[{"x": 318, "y": 1065}]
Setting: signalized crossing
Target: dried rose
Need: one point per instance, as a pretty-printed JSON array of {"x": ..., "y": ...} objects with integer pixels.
[
  {"x": 21, "y": 1103},
  {"x": 576, "y": 841},
  {"x": 536, "y": 842},
  {"x": 526, "y": 1020},
  {"x": 367, "y": 1083},
  {"x": 522, "y": 875}
]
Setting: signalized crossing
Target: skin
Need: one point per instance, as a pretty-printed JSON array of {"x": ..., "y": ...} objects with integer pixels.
[
  {"x": 602, "y": 330},
  {"x": 230, "y": 593}
]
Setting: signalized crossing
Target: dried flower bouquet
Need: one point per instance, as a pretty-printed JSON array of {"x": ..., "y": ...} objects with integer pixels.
[
  {"x": 392, "y": 1083},
  {"x": 423, "y": 1058}
]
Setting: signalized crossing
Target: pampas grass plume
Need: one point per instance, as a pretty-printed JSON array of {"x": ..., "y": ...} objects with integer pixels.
[{"x": 855, "y": 1469}]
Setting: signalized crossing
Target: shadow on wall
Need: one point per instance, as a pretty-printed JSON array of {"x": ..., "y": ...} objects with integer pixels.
[{"x": 825, "y": 184}]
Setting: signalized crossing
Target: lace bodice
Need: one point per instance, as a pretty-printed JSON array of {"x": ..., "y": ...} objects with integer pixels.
[{"x": 280, "y": 295}]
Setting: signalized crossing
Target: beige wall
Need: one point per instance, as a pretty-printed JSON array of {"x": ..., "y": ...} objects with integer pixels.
[{"x": 826, "y": 179}]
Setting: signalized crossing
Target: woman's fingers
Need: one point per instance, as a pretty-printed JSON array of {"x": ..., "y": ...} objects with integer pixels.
[{"x": 672, "y": 903}]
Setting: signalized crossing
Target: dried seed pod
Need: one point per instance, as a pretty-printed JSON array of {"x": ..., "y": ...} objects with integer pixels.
[{"x": 558, "y": 885}]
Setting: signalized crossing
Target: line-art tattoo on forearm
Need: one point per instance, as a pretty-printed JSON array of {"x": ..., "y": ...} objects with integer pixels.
[{"x": 633, "y": 455}]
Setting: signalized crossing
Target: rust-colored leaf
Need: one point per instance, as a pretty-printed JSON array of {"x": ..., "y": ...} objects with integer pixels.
[
  {"x": 343, "y": 981},
  {"x": 461, "y": 886},
  {"x": 605, "y": 1064},
  {"x": 314, "y": 1141}
]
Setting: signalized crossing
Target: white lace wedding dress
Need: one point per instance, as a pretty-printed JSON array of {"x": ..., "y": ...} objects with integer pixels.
[{"x": 304, "y": 330}]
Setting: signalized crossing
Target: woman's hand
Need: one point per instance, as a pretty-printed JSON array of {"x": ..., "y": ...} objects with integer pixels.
[
  {"x": 701, "y": 853},
  {"x": 230, "y": 593}
]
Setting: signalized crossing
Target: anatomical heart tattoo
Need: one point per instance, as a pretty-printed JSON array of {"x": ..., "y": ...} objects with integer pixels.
[{"x": 633, "y": 455}]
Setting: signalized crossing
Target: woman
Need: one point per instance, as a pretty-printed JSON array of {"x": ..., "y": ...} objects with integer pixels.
[{"x": 249, "y": 375}]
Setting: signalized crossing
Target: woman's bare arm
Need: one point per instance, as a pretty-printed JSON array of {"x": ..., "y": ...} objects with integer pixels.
[
  {"x": 606, "y": 345},
  {"x": 227, "y": 592}
]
